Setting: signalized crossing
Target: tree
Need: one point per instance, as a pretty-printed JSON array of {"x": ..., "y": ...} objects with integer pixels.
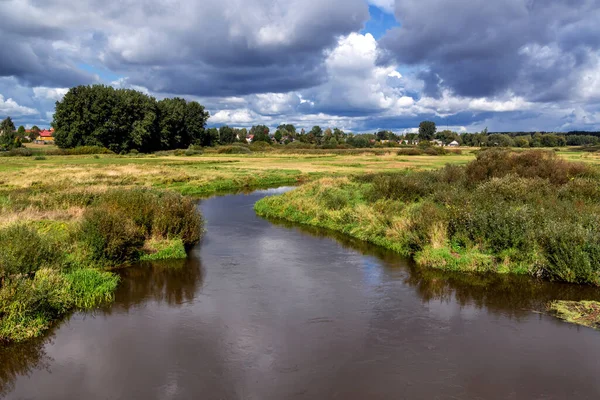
[
  {"x": 8, "y": 137},
  {"x": 427, "y": 130},
  {"x": 226, "y": 134},
  {"x": 34, "y": 132},
  {"x": 278, "y": 135},
  {"x": 261, "y": 133},
  {"x": 125, "y": 119},
  {"x": 21, "y": 131},
  {"x": 195, "y": 121},
  {"x": 315, "y": 135}
]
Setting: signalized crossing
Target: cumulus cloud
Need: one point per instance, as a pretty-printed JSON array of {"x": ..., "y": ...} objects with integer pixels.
[
  {"x": 10, "y": 107},
  {"x": 478, "y": 48}
]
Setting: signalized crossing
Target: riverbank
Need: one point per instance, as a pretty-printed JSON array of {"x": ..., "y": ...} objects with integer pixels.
[
  {"x": 524, "y": 213},
  {"x": 57, "y": 248}
]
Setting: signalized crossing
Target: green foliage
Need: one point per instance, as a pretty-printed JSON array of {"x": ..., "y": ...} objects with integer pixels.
[
  {"x": 226, "y": 134},
  {"x": 164, "y": 250},
  {"x": 24, "y": 251},
  {"x": 28, "y": 306},
  {"x": 427, "y": 130},
  {"x": 261, "y": 133},
  {"x": 110, "y": 236},
  {"x": 8, "y": 136},
  {"x": 234, "y": 150},
  {"x": 90, "y": 287},
  {"x": 124, "y": 119}
]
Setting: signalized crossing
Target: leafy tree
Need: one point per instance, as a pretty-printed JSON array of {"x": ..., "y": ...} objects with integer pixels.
[
  {"x": 21, "y": 131},
  {"x": 124, "y": 119},
  {"x": 427, "y": 130},
  {"x": 195, "y": 121},
  {"x": 316, "y": 135},
  {"x": 261, "y": 133},
  {"x": 8, "y": 137},
  {"x": 210, "y": 137},
  {"x": 226, "y": 134},
  {"x": 34, "y": 132},
  {"x": 172, "y": 128},
  {"x": 278, "y": 135},
  {"x": 289, "y": 128}
]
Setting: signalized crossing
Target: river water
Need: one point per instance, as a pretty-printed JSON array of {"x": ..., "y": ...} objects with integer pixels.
[{"x": 263, "y": 310}]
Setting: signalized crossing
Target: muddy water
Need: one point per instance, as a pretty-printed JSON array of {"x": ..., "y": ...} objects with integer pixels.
[{"x": 262, "y": 311}]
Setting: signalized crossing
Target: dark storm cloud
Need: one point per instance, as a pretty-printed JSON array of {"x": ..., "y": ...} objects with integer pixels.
[
  {"x": 213, "y": 47},
  {"x": 477, "y": 48}
]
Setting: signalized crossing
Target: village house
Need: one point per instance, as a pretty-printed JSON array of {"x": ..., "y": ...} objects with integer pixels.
[
  {"x": 46, "y": 136},
  {"x": 454, "y": 143}
]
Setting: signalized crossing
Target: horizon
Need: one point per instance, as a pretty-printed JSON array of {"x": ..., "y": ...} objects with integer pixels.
[{"x": 360, "y": 65}]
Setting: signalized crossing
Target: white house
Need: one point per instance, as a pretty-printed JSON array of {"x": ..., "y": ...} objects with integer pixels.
[{"x": 454, "y": 143}]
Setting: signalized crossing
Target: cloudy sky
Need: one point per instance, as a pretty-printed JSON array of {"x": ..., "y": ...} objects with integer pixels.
[{"x": 361, "y": 65}]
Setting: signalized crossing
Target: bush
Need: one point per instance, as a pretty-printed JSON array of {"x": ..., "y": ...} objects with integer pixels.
[
  {"x": 260, "y": 146},
  {"x": 39, "y": 158},
  {"x": 234, "y": 150},
  {"x": 115, "y": 228},
  {"x": 177, "y": 217},
  {"x": 528, "y": 164},
  {"x": 78, "y": 151},
  {"x": 18, "y": 152},
  {"x": 110, "y": 236},
  {"x": 24, "y": 251},
  {"x": 410, "y": 151}
]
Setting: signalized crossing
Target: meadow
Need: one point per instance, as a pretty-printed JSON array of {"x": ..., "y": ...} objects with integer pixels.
[{"x": 68, "y": 220}]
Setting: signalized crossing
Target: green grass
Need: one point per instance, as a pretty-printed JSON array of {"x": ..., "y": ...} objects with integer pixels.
[{"x": 164, "y": 250}]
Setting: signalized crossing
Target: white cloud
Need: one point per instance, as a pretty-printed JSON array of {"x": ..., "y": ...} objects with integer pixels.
[
  {"x": 55, "y": 94},
  {"x": 10, "y": 108}
]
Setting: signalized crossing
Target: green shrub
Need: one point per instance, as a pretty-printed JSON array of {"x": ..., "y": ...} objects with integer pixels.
[
  {"x": 410, "y": 151},
  {"x": 528, "y": 164},
  {"x": 24, "y": 251},
  {"x": 17, "y": 152},
  {"x": 39, "y": 158},
  {"x": 235, "y": 149},
  {"x": 261, "y": 146},
  {"x": 78, "y": 151},
  {"x": 111, "y": 236},
  {"x": 177, "y": 217}
]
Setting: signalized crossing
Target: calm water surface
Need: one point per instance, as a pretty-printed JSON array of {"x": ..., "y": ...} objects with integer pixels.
[{"x": 264, "y": 310}]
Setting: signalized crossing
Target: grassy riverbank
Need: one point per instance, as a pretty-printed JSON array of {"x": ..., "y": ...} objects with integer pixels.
[
  {"x": 526, "y": 213},
  {"x": 59, "y": 257}
]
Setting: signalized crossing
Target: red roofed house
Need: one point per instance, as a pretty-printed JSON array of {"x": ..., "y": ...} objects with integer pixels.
[{"x": 46, "y": 136}]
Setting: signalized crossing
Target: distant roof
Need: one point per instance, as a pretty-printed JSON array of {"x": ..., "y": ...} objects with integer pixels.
[{"x": 46, "y": 133}]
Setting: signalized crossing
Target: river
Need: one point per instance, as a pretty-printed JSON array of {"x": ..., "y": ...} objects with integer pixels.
[{"x": 263, "y": 310}]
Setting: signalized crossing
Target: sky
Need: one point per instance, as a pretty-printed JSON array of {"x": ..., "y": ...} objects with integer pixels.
[{"x": 360, "y": 65}]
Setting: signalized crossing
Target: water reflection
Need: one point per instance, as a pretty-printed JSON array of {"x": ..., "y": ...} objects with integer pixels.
[
  {"x": 173, "y": 282},
  {"x": 508, "y": 295}
]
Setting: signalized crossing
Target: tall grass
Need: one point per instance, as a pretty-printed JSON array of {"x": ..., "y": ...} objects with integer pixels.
[
  {"x": 528, "y": 212},
  {"x": 47, "y": 271}
]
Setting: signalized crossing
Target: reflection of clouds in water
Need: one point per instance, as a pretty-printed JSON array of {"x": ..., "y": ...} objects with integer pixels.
[
  {"x": 448, "y": 310},
  {"x": 372, "y": 269}
]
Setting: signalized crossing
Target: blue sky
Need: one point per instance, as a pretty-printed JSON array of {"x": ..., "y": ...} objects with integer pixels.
[{"x": 361, "y": 65}]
